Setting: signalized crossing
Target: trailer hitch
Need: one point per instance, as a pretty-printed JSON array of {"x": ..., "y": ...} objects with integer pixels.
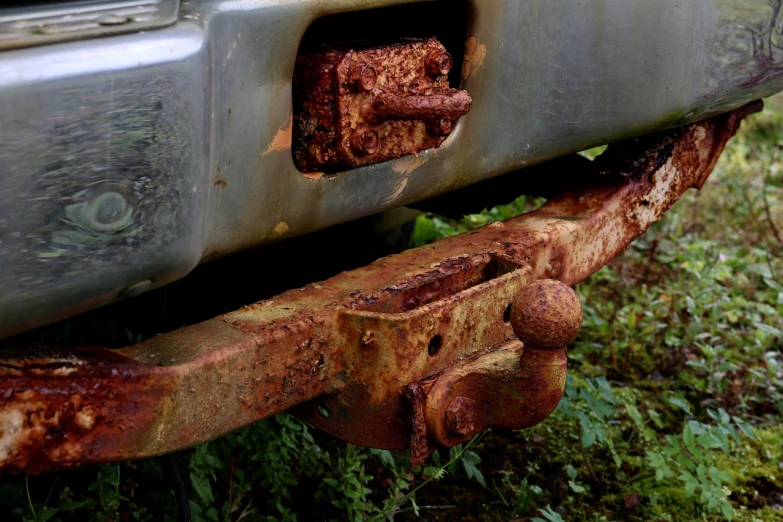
[{"x": 417, "y": 350}]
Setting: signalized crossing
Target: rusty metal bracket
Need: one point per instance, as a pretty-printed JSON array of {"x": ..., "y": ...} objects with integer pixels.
[
  {"x": 359, "y": 107},
  {"x": 419, "y": 349}
]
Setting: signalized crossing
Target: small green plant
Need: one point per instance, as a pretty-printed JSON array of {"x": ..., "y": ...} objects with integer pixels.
[
  {"x": 549, "y": 515},
  {"x": 347, "y": 488}
]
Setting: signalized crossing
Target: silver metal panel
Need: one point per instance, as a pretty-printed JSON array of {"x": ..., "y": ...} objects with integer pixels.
[
  {"x": 102, "y": 168},
  {"x": 47, "y": 23},
  {"x": 193, "y": 122}
]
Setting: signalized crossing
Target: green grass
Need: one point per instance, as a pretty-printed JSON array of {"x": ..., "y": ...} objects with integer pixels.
[{"x": 673, "y": 408}]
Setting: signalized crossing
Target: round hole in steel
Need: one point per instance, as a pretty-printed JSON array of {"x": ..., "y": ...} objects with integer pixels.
[
  {"x": 324, "y": 410},
  {"x": 435, "y": 343}
]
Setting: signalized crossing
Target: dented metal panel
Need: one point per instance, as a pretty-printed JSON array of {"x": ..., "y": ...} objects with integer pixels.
[{"x": 377, "y": 356}]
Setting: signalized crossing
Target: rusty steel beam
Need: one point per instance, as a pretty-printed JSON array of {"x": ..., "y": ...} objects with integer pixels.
[{"x": 419, "y": 349}]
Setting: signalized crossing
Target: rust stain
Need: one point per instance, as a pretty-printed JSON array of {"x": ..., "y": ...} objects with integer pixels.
[
  {"x": 282, "y": 140},
  {"x": 474, "y": 58},
  {"x": 407, "y": 164},
  {"x": 397, "y": 191},
  {"x": 219, "y": 181},
  {"x": 280, "y": 229}
]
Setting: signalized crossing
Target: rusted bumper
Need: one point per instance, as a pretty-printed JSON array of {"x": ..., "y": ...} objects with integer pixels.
[{"x": 414, "y": 350}]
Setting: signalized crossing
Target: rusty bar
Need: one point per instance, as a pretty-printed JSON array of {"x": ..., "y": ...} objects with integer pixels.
[
  {"x": 344, "y": 350},
  {"x": 433, "y": 107}
]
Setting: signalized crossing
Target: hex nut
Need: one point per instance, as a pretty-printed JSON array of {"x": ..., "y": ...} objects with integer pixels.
[
  {"x": 439, "y": 63},
  {"x": 363, "y": 77},
  {"x": 461, "y": 415},
  {"x": 364, "y": 141}
]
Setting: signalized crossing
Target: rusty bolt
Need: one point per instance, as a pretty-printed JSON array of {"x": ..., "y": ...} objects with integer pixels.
[
  {"x": 546, "y": 314},
  {"x": 419, "y": 85},
  {"x": 439, "y": 63},
  {"x": 368, "y": 339},
  {"x": 363, "y": 77},
  {"x": 441, "y": 127},
  {"x": 461, "y": 416},
  {"x": 364, "y": 140}
]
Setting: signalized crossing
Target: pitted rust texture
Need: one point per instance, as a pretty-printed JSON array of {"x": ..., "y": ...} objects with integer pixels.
[
  {"x": 362, "y": 107},
  {"x": 546, "y": 314},
  {"x": 434, "y": 321},
  {"x": 56, "y": 412}
]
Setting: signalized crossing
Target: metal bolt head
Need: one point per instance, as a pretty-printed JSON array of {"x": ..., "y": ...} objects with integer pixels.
[
  {"x": 546, "y": 314},
  {"x": 368, "y": 339},
  {"x": 112, "y": 19},
  {"x": 136, "y": 289},
  {"x": 439, "y": 63},
  {"x": 461, "y": 416},
  {"x": 364, "y": 141},
  {"x": 363, "y": 77}
]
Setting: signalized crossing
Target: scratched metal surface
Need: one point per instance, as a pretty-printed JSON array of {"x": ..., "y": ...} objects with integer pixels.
[{"x": 130, "y": 159}]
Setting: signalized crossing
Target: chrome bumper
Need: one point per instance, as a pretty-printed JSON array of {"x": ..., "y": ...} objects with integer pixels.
[{"x": 127, "y": 160}]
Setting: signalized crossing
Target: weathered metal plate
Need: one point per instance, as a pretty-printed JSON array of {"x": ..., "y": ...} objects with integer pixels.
[{"x": 360, "y": 107}]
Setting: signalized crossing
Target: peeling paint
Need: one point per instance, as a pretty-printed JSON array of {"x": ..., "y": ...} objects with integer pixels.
[
  {"x": 280, "y": 229},
  {"x": 282, "y": 140},
  {"x": 474, "y": 58},
  {"x": 397, "y": 191},
  {"x": 407, "y": 164}
]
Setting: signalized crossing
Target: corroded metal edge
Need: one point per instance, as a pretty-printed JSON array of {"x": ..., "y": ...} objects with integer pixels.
[{"x": 344, "y": 349}]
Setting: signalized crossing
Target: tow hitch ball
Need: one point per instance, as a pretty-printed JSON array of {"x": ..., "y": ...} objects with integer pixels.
[{"x": 516, "y": 386}]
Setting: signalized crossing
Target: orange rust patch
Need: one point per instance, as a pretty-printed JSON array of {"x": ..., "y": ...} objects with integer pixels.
[
  {"x": 474, "y": 58},
  {"x": 280, "y": 229},
  {"x": 94, "y": 414},
  {"x": 409, "y": 163},
  {"x": 397, "y": 191},
  {"x": 282, "y": 140}
]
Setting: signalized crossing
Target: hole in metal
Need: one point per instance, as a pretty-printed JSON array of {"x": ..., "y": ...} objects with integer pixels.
[
  {"x": 324, "y": 410},
  {"x": 435, "y": 343},
  {"x": 507, "y": 314}
]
